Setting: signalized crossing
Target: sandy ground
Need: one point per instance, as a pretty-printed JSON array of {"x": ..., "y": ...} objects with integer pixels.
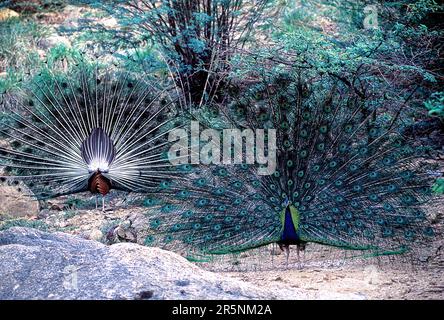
[
  {"x": 320, "y": 269},
  {"x": 368, "y": 282}
]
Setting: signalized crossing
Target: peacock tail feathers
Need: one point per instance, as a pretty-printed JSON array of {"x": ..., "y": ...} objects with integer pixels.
[
  {"x": 66, "y": 126},
  {"x": 345, "y": 177}
]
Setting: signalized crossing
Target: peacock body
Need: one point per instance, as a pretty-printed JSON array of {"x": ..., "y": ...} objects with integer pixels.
[
  {"x": 345, "y": 177},
  {"x": 89, "y": 129}
]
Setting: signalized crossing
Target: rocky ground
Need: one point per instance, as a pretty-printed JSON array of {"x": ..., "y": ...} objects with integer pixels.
[
  {"x": 320, "y": 273},
  {"x": 40, "y": 265}
]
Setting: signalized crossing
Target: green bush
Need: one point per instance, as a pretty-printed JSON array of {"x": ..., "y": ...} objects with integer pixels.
[
  {"x": 36, "y": 224},
  {"x": 435, "y": 104}
]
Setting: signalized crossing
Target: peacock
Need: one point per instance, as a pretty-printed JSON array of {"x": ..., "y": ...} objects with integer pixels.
[
  {"x": 88, "y": 129},
  {"x": 345, "y": 177}
]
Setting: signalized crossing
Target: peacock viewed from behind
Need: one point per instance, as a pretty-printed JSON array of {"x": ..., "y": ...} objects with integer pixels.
[
  {"x": 345, "y": 177},
  {"x": 89, "y": 129}
]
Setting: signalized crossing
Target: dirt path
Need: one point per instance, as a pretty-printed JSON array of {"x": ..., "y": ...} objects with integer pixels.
[{"x": 366, "y": 282}]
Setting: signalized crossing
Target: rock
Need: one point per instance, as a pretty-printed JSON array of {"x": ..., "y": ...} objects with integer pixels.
[
  {"x": 43, "y": 214},
  {"x": 15, "y": 200},
  {"x": 39, "y": 265},
  {"x": 95, "y": 234},
  {"x": 6, "y": 14},
  {"x": 126, "y": 232}
]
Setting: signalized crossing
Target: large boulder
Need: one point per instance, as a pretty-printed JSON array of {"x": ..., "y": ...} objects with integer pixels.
[
  {"x": 16, "y": 202},
  {"x": 39, "y": 265},
  {"x": 6, "y": 14}
]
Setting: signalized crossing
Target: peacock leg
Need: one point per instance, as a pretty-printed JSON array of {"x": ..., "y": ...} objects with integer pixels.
[
  {"x": 103, "y": 204},
  {"x": 97, "y": 202},
  {"x": 287, "y": 253},
  {"x": 299, "y": 256}
]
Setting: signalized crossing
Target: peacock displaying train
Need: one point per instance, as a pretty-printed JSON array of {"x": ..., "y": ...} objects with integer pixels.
[
  {"x": 345, "y": 177},
  {"x": 89, "y": 129}
]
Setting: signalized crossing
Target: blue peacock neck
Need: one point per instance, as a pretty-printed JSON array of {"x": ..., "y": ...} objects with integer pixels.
[{"x": 290, "y": 225}]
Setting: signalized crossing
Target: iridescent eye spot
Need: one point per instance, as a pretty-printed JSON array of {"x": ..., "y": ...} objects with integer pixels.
[
  {"x": 187, "y": 214},
  {"x": 237, "y": 201},
  {"x": 339, "y": 198},
  {"x": 196, "y": 226},
  {"x": 373, "y": 175},
  {"x": 155, "y": 223},
  {"x": 237, "y": 184},
  {"x": 323, "y": 129},
  {"x": 373, "y": 132},
  {"x": 219, "y": 191},
  {"x": 409, "y": 234},
  {"x": 149, "y": 240},
  {"x": 391, "y": 188}
]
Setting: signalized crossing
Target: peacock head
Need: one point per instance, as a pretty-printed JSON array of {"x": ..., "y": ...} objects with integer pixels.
[{"x": 286, "y": 202}]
